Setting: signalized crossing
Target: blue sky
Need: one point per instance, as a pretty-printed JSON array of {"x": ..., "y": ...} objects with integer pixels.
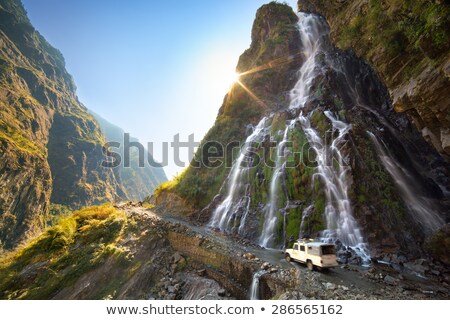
[{"x": 154, "y": 68}]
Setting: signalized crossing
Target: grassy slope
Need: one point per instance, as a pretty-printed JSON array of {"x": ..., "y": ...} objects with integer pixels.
[{"x": 66, "y": 251}]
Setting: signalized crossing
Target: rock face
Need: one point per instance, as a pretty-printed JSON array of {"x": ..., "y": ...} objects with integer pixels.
[
  {"x": 268, "y": 71},
  {"x": 50, "y": 146},
  {"x": 407, "y": 42},
  {"x": 347, "y": 89}
]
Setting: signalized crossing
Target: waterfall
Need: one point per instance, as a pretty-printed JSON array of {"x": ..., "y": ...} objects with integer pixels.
[
  {"x": 338, "y": 212},
  {"x": 311, "y": 32},
  {"x": 232, "y": 213},
  {"x": 305, "y": 215},
  {"x": 270, "y": 218},
  {"x": 254, "y": 288},
  {"x": 333, "y": 172},
  {"x": 227, "y": 215},
  {"x": 422, "y": 208},
  {"x": 331, "y": 168}
]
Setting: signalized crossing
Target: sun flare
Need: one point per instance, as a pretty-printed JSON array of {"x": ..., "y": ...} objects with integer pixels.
[
  {"x": 229, "y": 78},
  {"x": 234, "y": 77}
]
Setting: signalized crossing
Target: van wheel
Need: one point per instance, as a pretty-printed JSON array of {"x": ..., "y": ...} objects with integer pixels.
[
  {"x": 288, "y": 258},
  {"x": 310, "y": 265}
]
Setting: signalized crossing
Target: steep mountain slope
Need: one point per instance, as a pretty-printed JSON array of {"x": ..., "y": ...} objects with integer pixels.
[
  {"x": 137, "y": 182},
  {"x": 105, "y": 252},
  {"x": 51, "y": 148},
  {"x": 342, "y": 165},
  {"x": 271, "y": 63}
]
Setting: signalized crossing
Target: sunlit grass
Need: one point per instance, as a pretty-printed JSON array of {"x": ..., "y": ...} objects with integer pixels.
[{"x": 76, "y": 244}]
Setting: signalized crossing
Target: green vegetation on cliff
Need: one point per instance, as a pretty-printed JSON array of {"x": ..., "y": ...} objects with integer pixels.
[
  {"x": 264, "y": 67},
  {"x": 402, "y": 28},
  {"x": 68, "y": 250},
  {"x": 50, "y": 145}
]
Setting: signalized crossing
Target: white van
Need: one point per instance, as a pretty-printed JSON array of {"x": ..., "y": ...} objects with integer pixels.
[{"x": 314, "y": 254}]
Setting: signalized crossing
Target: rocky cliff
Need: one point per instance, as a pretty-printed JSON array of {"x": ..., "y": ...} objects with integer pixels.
[
  {"x": 384, "y": 183},
  {"x": 50, "y": 146},
  {"x": 268, "y": 71},
  {"x": 407, "y": 42}
]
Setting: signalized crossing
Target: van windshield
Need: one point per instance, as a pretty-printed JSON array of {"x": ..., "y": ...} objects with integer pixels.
[{"x": 328, "y": 249}]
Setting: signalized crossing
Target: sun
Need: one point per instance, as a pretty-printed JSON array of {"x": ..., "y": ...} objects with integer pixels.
[
  {"x": 234, "y": 77},
  {"x": 229, "y": 78},
  {"x": 217, "y": 72}
]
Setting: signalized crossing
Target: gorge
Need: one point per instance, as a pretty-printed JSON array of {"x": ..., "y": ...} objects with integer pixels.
[{"x": 332, "y": 145}]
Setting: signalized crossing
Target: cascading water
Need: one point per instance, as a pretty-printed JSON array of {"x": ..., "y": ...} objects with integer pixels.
[
  {"x": 270, "y": 218},
  {"x": 254, "y": 288},
  {"x": 226, "y": 215},
  {"x": 305, "y": 215},
  {"x": 333, "y": 172},
  {"x": 310, "y": 34},
  {"x": 338, "y": 212},
  {"x": 422, "y": 208}
]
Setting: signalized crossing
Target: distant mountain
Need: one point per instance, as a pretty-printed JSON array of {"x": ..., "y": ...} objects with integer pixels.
[{"x": 137, "y": 182}]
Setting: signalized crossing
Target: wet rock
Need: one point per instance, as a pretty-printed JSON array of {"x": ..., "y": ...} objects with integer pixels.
[
  {"x": 265, "y": 266},
  {"x": 329, "y": 286},
  {"x": 221, "y": 292},
  {"x": 347, "y": 255},
  {"x": 199, "y": 288},
  {"x": 171, "y": 289},
  {"x": 430, "y": 292},
  {"x": 171, "y": 296},
  {"x": 201, "y": 272},
  {"x": 419, "y": 267},
  {"x": 249, "y": 256},
  {"x": 390, "y": 280},
  {"x": 435, "y": 272}
]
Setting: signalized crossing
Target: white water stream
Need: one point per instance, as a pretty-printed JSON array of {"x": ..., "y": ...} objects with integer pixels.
[
  {"x": 226, "y": 214},
  {"x": 254, "y": 288}
]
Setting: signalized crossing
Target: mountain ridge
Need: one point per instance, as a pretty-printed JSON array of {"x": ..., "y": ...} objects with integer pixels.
[
  {"x": 51, "y": 147},
  {"x": 323, "y": 153}
]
